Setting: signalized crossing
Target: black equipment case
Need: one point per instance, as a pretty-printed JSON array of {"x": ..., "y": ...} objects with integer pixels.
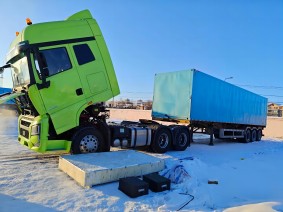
[
  {"x": 156, "y": 182},
  {"x": 133, "y": 186}
]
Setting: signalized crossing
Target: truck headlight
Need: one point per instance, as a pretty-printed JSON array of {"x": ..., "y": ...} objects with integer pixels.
[{"x": 35, "y": 130}]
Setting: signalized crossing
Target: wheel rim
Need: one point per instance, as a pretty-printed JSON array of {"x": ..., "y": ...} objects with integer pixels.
[
  {"x": 183, "y": 139},
  {"x": 163, "y": 140},
  {"x": 89, "y": 143}
]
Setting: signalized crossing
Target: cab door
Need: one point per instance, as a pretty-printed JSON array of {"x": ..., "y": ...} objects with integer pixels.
[
  {"x": 64, "y": 95},
  {"x": 91, "y": 69}
]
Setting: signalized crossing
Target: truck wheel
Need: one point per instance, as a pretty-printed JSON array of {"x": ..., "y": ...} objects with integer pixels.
[
  {"x": 253, "y": 135},
  {"x": 258, "y": 135},
  {"x": 247, "y": 137},
  {"x": 182, "y": 139},
  {"x": 87, "y": 140},
  {"x": 162, "y": 140}
]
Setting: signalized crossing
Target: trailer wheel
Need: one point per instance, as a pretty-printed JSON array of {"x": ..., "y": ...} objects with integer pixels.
[
  {"x": 182, "y": 139},
  {"x": 247, "y": 137},
  {"x": 258, "y": 135},
  {"x": 162, "y": 140},
  {"x": 87, "y": 140},
  {"x": 253, "y": 135}
]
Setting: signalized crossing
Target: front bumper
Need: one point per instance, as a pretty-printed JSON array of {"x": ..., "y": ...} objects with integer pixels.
[{"x": 33, "y": 133}]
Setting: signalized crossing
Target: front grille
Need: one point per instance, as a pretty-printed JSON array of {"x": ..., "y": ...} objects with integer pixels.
[
  {"x": 25, "y": 126},
  {"x": 24, "y": 133}
]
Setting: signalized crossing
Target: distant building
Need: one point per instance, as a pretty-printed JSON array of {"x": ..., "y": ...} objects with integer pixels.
[
  {"x": 139, "y": 105},
  {"x": 280, "y": 112},
  {"x": 121, "y": 104},
  {"x": 274, "y": 110},
  {"x": 128, "y": 104},
  {"x": 111, "y": 104}
]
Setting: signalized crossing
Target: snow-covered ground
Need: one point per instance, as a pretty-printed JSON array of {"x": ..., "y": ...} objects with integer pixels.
[{"x": 250, "y": 178}]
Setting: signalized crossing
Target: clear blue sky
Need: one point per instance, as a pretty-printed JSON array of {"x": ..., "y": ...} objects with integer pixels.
[{"x": 242, "y": 39}]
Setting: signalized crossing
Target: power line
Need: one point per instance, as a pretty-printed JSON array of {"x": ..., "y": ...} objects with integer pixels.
[
  {"x": 262, "y": 86},
  {"x": 272, "y": 95},
  {"x": 246, "y": 85},
  {"x": 151, "y": 93}
]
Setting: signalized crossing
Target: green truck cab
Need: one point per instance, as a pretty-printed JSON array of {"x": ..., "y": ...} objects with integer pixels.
[{"x": 62, "y": 74}]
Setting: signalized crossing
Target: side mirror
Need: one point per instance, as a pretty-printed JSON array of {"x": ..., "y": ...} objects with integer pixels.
[
  {"x": 45, "y": 83},
  {"x": 45, "y": 72},
  {"x": 1, "y": 70}
]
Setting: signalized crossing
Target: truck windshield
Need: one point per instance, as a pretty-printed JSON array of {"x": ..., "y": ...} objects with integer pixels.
[{"x": 20, "y": 71}]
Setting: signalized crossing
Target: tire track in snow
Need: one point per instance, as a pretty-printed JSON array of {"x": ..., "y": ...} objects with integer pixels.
[{"x": 29, "y": 157}]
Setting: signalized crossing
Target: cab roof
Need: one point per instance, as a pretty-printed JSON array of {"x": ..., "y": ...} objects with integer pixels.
[{"x": 75, "y": 26}]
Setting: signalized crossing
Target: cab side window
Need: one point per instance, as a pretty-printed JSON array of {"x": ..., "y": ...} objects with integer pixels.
[
  {"x": 55, "y": 60},
  {"x": 83, "y": 53}
]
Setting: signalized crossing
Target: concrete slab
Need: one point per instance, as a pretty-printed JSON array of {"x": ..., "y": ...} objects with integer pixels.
[{"x": 97, "y": 168}]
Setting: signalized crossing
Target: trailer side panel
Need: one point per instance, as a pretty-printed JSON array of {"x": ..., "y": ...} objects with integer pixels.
[
  {"x": 195, "y": 96},
  {"x": 215, "y": 100},
  {"x": 172, "y": 95}
]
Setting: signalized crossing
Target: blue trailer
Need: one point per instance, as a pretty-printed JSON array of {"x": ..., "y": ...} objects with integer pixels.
[
  {"x": 192, "y": 101},
  {"x": 207, "y": 103},
  {"x": 8, "y": 105}
]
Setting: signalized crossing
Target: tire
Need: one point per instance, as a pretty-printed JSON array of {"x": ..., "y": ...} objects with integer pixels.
[
  {"x": 162, "y": 140},
  {"x": 258, "y": 135},
  {"x": 182, "y": 139},
  {"x": 253, "y": 135},
  {"x": 87, "y": 140},
  {"x": 247, "y": 137}
]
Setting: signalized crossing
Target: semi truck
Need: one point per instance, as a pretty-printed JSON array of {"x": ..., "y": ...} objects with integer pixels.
[{"x": 62, "y": 75}]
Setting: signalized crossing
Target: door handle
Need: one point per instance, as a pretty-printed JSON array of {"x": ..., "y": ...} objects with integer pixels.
[{"x": 79, "y": 91}]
